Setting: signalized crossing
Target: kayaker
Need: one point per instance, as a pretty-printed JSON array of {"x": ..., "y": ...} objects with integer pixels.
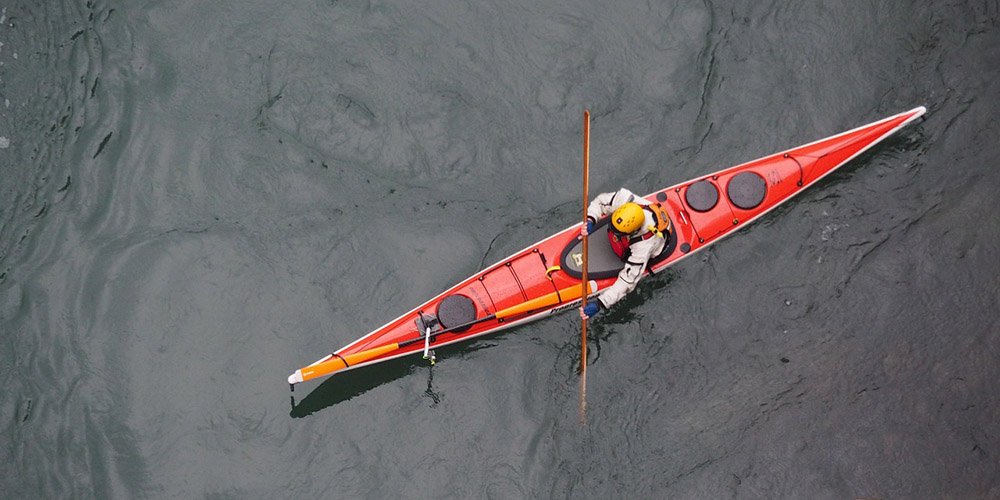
[{"x": 637, "y": 232}]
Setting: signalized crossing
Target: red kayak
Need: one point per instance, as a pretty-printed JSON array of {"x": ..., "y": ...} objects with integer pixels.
[{"x": 544, "y": 278}]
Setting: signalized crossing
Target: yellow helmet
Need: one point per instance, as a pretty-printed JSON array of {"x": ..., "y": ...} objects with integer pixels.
[{"x": 628, "y": 218}]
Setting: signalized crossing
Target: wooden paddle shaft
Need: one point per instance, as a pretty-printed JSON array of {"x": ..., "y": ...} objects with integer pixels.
[{"x": 586, "y": 202}]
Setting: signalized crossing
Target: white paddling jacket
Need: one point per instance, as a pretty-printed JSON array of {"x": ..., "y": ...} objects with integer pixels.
[{"x": 640, "y": 251}]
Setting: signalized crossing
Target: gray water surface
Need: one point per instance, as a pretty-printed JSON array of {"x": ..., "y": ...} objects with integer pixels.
[{"x": 199, "y": 197}]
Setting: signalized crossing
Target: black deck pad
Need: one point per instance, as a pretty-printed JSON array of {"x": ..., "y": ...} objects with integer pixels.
[
  {"x": 425, "y": 321},
  {"x": 601, "y": 260},
  {"x": 746, "y": 190},
  {"x": 455, "y": 310}
]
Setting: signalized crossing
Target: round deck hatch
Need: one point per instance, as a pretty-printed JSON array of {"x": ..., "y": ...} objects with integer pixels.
[
  {"x": 746, "y": 190},
  {"x": 701, "y": 196},
  {"x": 456, "y": 310}
]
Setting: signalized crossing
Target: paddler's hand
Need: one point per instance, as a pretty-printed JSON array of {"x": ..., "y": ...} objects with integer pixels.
[
  {"x": 591, "y": 310},
  {"x": 588, "y": 228}
]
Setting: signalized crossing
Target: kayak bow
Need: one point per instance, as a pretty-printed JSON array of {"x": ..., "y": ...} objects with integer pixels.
[{"x": 526, "y": 286}]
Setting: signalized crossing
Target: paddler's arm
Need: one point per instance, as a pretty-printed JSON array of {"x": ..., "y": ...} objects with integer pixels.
[
  {"x": 605, "y": 203},
  {"x": 630, "y": 275}
]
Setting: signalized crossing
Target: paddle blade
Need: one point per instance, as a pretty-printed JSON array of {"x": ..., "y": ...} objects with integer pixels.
[
  {"x": 337, "y": 363},
  {"x": 567, "y": 294}
]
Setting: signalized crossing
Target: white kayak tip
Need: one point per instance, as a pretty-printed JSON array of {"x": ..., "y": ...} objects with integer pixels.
[{"x": 295, "y": 378}]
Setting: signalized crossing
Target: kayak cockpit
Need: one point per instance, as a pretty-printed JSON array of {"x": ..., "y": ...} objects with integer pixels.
[{"x": 602, "y": 262}]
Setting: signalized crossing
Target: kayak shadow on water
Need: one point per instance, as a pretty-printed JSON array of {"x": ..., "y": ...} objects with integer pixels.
[{"x": 342, "y": 387}]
